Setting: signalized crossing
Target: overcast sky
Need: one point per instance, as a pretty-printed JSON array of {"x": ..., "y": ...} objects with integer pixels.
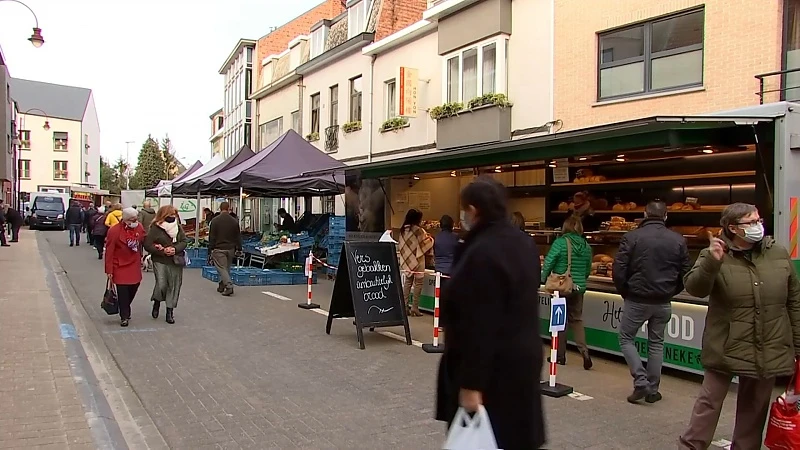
[{"x": 152, "y": 64}]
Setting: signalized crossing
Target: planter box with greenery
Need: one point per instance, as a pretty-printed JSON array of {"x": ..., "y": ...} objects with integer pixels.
[
  {"x": 312, "y": 137},
  {"x": 350, "y": 127},
  {"x": 484, "y": 119},
  {"x": 394, "y": 124}
]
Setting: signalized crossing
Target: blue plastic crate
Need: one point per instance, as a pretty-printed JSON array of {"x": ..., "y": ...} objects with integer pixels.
[
  {"x": 337, "y": 232},
  {"x": 210, "y": 273},
  {"x": 334, "y": 221},
  {"x": 197, "y": 253},
  {"x": 303, "y": 253},
  {"x": 279, "y": 277},
  {"x": 301, "y": 278},
  {"x": 249, "y": 277}
]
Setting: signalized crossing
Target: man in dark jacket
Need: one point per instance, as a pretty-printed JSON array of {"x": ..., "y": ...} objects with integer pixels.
[
  {"x": 99, "y": 231},
  {"x": 88, "y": 215},
  {"x": 648, "y": 271},
  {"x": 146, "y": 215},
  {"x": 14, "y": 219},
  {"x": 224, "y": 240},
  {"x": 74, "y": 220},
  {"x": 287, "y": 222}
]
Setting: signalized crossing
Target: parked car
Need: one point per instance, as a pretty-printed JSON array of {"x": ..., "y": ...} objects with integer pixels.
[{"x": 47, "y": 211}]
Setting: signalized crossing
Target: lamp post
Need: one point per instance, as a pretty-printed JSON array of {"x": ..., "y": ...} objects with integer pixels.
[
  {"x": 36, "y": 38},
  {"x": 128, "y": 165},
  {"x": 46, "y": 125}
]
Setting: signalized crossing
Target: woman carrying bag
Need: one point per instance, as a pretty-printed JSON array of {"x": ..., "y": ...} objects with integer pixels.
[
  {"x": 123, "y": 260},
  {"x": 166, "y": 244},
  {"x": 566, "y": 269}
]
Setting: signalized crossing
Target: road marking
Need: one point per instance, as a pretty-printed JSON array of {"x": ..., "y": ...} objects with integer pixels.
[
  {"x": 580, "y": 397},
  {"x": 722, "y": 443},
  {"x": 278, "y": 296}
]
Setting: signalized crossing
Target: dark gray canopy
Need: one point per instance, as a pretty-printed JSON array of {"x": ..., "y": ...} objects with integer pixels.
[{"x": 192, "y": 186}]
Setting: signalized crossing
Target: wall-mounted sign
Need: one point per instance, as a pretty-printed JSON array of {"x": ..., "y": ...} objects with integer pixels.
[{"x": 407, "y": 93}]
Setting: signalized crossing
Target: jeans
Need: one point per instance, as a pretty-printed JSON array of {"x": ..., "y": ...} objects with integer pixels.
[
  {"x": 125, "y": 295},
  {"x": 634, "y": 315},
  {"x": 74, "y": 234},
  {"x": 223, "y": 259}
]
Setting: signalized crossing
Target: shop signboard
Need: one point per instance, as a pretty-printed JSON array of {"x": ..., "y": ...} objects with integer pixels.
[
  {"x": 368, "y": 289},
  {"x": 408, "y": 99}
]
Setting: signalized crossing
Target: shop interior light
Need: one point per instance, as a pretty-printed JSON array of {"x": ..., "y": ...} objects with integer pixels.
[
  {"x": 515, "y": 165},
  {"x": 620, "y": 156},
  {"x": 453, "y": 173},
  {"x": 497, "y": 167},
  {"x": 552, "y": 164},
  {"x": 416, "y": 177},
  {"x": 620, "y": 159},
  {"x": 498, "y": 170},
  {"x": 583, "y": 158},
  {"x": 708, "y": 150}
]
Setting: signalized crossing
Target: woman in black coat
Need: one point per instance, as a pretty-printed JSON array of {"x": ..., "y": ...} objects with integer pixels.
[{"x": 490, "y": 313}]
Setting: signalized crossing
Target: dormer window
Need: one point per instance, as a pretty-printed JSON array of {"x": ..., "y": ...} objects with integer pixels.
[
  {"x": 357, "y": 11},
  {"x": 267, "y": 69},
  {"x": 319, "y": 35},
  {"x": 296, "y": 51}
]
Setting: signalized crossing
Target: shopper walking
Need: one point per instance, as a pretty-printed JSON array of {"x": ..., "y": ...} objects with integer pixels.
[
  {"x": 493, "y": 351},
  {"x": 74, "y": 220},
  {"x": 3, "y": 226},
  {"x": 14, "y": 220},
  {"x": 571, "y": 256},
  {"x": 146, "y": 215},
  {"x": 224, "y": 240},
  {"x": 123, "y": 260},
  {"x": 114, "y": 215},
  {"x": 166, "y": 244},
  {"x": 752, "y": 327},
  {"x": 648, "y": 271},
  {"x": 99, "y": 231},
  {"x": 413, "y": 244},
  {"x": 88, "y": 216}
]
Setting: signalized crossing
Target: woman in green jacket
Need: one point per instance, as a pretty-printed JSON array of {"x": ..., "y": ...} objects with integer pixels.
[
  {"x": 752, "y": 327},
  {"x": 166, "y": 244},
  {"x": 570, "y": 252}
]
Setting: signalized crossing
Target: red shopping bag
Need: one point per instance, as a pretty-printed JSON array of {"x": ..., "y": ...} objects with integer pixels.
[{"x": 783, "y": 426}]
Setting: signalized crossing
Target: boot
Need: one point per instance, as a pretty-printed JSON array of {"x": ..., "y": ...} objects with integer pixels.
[
  {"x": 156, "y": 307},
  {"x": 228, "y": 291},
  {"x": 170, "y": 317},
  {"x": 221, "y": 288}
]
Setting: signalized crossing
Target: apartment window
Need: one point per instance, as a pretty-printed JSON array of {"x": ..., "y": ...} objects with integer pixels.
[
  {"x": 24, "y": 140},
  {"x": 271, "y": 131},
  {"x": 248, "y": 83},
  {"x": 60, "y": 140},
  {"x": 356, "y": 90},
  {"x": 60, "y": 170},
  {"x": 249, "y": 55},
  {"x": 390, "y": 90},
  {"x": 654, "y": 56},
  {"x": 315, "y": 113},
  {"x": 25, "y": 169},
  {"x": 296, "y": 121},
  {"x": 220, "y": 122},
  {"x": 357, "y": 18},
  {"x": 475, "y": 71},
  {"x": 334, "y": 119},
  {"x": 791, "y": 35},
  {"x": 318, "y": 38}
]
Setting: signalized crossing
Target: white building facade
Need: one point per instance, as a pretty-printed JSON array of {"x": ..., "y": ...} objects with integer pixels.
[{"x": 238, "y": 109}]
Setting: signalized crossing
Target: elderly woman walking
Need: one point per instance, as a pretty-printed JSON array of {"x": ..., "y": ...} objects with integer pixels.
[
  {"x": 123, "y": 260},
  {"x": 166, "y": 244},
  {"x": 752, "y": 327}
]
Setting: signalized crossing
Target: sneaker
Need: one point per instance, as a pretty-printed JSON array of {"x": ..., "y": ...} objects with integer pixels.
[
  {"x": 123, "y": 323},
  {"x": 654, "y": 397},
  {"x": 638, "y": 394}
]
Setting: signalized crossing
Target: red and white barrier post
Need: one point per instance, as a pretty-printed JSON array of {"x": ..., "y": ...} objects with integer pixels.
[
  {"x": 435, "y": 347},
  {"x": 309, "y": 269},
  {"x": 558, "y": 323}
]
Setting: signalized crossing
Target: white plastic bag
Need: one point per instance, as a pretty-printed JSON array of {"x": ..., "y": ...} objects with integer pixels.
[{"x": 471, "y": 433}]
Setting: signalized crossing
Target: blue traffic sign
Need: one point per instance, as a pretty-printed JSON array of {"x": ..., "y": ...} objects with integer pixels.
[{"x": 558, "y": 314}]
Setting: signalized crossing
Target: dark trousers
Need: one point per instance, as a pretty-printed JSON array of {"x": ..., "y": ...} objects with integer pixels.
[
  {"x": 3, "y": 235},
  {"x": 575, "y": 324},
  {"x": 89, "y": 236},
  {"x": 74, "y": 234},
  {"x": 125, "y": 295},
  {"x": 99, "y": 244},
  {"x": 15, "y": 232}
]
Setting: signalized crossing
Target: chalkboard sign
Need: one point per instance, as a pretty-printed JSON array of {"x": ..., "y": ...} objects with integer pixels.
[{"x": 368, "y": 288}]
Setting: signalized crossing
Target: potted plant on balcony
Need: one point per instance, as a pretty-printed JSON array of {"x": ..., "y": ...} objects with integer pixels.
[
  {"x": 350, "y": 127},
  {"x": 500, "y": 100},
  {"x": 394, "y": 124},
  {"x": 447, "y": 110},
  {"x": 312, "y": 137}
]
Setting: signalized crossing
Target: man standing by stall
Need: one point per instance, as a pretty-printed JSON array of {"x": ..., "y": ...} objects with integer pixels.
[
  {"x": 648, "y": 271},
  {"x": 224, "y": 240}
]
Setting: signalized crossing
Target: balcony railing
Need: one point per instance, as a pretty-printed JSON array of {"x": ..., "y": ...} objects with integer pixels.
[
  {"x": 788, "y": 80},
  {"x": 332, "y": 138}
]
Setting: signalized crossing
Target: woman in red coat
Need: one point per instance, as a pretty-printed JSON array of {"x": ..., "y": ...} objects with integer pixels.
[{"x": 124, "y": 260}]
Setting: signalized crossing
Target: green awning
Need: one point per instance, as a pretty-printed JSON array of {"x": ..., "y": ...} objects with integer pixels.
[{"x": 654, "y": 132}]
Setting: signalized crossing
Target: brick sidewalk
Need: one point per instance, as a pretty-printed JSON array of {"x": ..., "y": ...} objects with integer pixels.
[{"x": 38, "y": 395}]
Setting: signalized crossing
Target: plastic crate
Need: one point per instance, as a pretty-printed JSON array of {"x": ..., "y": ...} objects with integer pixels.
[
  {"x": 249, "y": 277},
  {"x": 210, "y": 273},
  {"x": 279, "y": 277},
  {"x": 337, "y": 232},
  {"x": 334, "y": 221},
  {"x": 301, "y": 278},
  {"x": 303, "y": 253}
]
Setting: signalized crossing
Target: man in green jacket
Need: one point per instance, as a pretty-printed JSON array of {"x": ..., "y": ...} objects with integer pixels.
[{"x": 752, "y": 327}]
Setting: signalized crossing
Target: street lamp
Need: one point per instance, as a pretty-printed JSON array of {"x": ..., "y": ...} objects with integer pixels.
[
  {"x": 46, "y": 125},
  {"x": 36, "y": 38}
]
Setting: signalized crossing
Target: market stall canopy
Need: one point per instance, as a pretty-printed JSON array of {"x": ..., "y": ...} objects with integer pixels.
[
  {"x": 280, "y": 170},
  {"x": 192, "y": 186},
  {"x": 197, "y": 165},
  {"x": 166, "y": 189}
]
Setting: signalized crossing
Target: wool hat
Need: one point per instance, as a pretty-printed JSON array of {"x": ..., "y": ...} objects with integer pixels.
[{"x": 129, "y": 213}]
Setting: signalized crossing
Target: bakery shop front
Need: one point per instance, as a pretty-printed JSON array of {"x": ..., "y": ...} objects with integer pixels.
[{"x": 696, "y": 164}]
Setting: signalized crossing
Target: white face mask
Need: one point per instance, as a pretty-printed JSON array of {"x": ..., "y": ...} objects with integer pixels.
[
  {"x": 132, "y": 224},
  {"x": 466, "y": 222},
  {"x": 754, "y": 233}
]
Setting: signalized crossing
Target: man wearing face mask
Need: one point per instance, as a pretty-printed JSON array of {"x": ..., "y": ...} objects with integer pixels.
[{"x": 752, "y": 327}]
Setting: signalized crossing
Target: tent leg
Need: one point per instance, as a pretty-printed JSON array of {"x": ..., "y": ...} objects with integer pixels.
[
  {"x": 241, "y": 206},
  {"x": 197, "y": 221}
]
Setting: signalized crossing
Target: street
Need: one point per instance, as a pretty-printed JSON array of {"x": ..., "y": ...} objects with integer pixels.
[{"x": 255, "y": 371}]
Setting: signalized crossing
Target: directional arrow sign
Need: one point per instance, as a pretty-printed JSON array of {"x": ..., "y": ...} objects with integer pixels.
[{"x": 558, "y": 314}]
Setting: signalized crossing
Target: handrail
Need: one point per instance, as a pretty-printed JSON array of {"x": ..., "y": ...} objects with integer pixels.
[{"x": 783, "y": 89}]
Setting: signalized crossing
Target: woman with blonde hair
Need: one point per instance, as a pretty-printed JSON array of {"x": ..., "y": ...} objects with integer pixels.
[
  {"x": 114, "y": 215},
  {"x": 166, "y": 244}
]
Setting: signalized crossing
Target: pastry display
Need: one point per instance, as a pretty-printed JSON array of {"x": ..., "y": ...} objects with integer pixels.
[
  {"x": 563, "y": 206},
  {"x": 677, "y": 206},
  {"x": 587, "y": 176},
  {"x": 618, "y": 224}
]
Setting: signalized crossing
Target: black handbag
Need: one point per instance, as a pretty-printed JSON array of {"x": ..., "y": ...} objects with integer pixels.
[
  {"x": 110, "y": 304},
  {"x": 180, "y": 259}
]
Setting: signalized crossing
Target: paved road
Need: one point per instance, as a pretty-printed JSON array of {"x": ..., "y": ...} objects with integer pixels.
[{"x": 255, "y": 371}]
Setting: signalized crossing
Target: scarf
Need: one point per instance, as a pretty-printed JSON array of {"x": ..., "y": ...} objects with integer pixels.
[
  {"x": 171, "y": 229},
  {"x": 131, "y": 237}
]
